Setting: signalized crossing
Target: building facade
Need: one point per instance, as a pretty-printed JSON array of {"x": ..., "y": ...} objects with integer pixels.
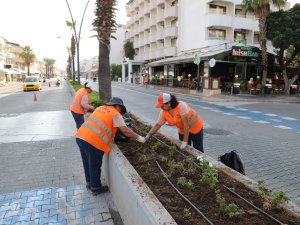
[{"x": 167, "y": 34}]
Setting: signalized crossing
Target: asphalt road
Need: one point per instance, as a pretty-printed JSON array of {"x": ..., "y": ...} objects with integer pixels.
[{"x": 265, "y": 134}]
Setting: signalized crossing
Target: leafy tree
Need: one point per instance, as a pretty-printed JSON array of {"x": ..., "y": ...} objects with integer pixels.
[
  {"x": 261, "y": 9},
  {"x": 105, "y": 25},
  {"x": 28, "y": 56},
  {"x": 49, "y": 63},
  {"x": 284, "y": 32},
  {"x": 116, "y": 70},
  {"x": 129, "y": 51}
]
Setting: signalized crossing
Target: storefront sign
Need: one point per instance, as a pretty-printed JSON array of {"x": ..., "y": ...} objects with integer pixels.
[{"x": 245, "y": 51}]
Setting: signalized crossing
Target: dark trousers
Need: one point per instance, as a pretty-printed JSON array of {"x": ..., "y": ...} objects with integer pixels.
[
  {"x": 92, "y": 161},
  {"x": 196, "y": 139},
  {"x": 79, "y": 119}
]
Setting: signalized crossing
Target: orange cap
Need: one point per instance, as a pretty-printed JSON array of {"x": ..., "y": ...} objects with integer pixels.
[{"x": 162, "y": 98}]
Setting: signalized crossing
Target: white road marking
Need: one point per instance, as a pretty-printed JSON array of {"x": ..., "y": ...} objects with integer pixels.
[
  {"x": 244, "y": 117},
  {"x": 270, "y": 114},
  {"x": 242, "y": 109},
  {"x": 288, "y": 118},
  {"x": 283, "y": 127},
  {"x": 261, "y": 121},
  {"x": 255, "y": 111}
]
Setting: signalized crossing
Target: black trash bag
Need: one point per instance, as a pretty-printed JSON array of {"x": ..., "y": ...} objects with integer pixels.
[
  {"x": 233, "y": 160},
  {"x": 120, "y": 137}
]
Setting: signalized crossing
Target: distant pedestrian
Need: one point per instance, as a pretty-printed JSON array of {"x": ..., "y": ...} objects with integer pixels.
[
  {"x": 178, "y": 113},
  {"x": 81, "y": 104},
  {"x": 96, "y": 137}
]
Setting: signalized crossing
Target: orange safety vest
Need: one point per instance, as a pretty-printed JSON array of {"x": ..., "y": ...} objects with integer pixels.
[
  {"x": 195, "y": 122},
  {"x": 76, "y": 106},
  {"x": 98, "y": 129}
]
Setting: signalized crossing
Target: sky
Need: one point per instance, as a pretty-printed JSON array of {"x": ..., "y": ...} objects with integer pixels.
[{"x": 39, "y": 23}]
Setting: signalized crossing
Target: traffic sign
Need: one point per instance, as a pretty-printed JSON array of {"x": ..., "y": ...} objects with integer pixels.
[{"x": 197, "y": 59}]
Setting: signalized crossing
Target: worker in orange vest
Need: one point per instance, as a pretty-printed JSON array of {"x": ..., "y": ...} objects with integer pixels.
[
  {"x": 81, "y": 104},
  {"x": 178, "y": 113},
  {"x": 96, "y": 137}
]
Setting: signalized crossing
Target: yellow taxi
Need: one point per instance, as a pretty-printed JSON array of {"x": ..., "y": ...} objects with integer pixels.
[{"x": 32, "y": 83}]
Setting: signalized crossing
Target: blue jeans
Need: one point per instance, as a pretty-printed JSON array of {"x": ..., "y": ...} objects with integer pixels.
[
  {"x": 92, "y": 162},
  {"x": 197, "y": 140},
  {"x": 79, "y": 119}
]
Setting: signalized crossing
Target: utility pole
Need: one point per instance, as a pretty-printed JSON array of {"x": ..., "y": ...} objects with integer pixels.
[{"x": 77, "y": 38}]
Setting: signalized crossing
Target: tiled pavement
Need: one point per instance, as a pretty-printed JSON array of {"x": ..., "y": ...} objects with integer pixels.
[{"x": 69, "y": 205}]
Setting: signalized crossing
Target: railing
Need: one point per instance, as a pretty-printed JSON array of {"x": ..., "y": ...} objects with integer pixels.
[{"x": 174, "y": 82}]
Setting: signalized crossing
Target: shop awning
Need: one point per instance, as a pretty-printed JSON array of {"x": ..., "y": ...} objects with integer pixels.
[
  {"x": 188, "y": 57},
  {"x": 9, "y": 71}
]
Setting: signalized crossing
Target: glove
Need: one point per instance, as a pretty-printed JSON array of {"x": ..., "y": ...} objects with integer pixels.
[
  {"x": 141, "y": 139},
  {"x": 147, "y": 137},
  {"x": 183, "y": 145}
]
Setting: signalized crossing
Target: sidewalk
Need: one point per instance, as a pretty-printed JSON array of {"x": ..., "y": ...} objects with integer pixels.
[
  {"x": 228, "y": 97},
  {"x": 11, "y": 87},
  {"x": 42, "y": 182}
]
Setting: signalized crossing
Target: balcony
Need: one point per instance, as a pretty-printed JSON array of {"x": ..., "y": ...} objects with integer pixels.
[
  {"x": 170, "y": 32},
  {"x": 152, "y": 54},
  {"x": 146, "y": 39},
  {"x": 159, "y": 17},
  {"x": 170, "y": 51},
  {"x": 146, "y": 8},
  {"x": 171, "y": 12},
  {"x": 243, "y": 23},
  {"x": 160, "y": 2},
  {"x": 152, "y": 21},
  {"x": 146, "y": 24},
  {"x": 160, "y": 34},
  {"x": 219, "y": 20},
  {"x": 152, "y": 4},
  {"x": 159, "y": 53},
  {"x": 152, "y": 38}
]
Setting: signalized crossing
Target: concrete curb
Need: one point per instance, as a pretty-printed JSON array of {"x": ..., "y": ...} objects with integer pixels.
[{"x": 135, "y": 201}]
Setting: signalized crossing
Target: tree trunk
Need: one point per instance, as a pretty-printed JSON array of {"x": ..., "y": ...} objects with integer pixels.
[
  {"x": 28, "y": 70},
  {"x": 263, "y": 43},
  {"x": 104, "y": 77},
  {"x": 288, "y": 82},
  {"x": 73, "y": 68}
]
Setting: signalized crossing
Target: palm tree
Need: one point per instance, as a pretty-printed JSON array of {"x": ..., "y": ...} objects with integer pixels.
[
  {"x": 28, "y": 57},
  {"x": 261, "y": 9},
  {"x": 73, "y": 51},
  {"x": 49, "y": 66},
  {"x": 104, "y": 24}
]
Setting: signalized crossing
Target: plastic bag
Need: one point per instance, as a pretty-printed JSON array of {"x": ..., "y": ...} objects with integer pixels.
[{"x": 233, "y": 160}]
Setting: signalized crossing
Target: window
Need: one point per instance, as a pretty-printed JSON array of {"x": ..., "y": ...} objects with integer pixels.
[
  {"x": 174, "y": 23},
  {"x": 239, "y": 35},
  {"x": 217, "y": 9},
  {"x": 216, "y": 34},
  {"x": 173, "y": 42},
  {"x": 239, "y": 13},
  {"x": 256, "y": 38}
]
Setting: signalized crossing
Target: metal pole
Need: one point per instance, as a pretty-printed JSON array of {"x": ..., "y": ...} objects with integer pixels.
[
  {"x": 77, "y": 38},
  {"x": 198, "y": 78}
]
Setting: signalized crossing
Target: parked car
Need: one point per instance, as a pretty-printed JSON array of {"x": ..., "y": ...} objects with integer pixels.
[{"x": 32, "y": 83}]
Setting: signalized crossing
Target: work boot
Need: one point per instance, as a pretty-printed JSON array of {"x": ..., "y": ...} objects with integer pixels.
[{"x": 103, "y": 189}]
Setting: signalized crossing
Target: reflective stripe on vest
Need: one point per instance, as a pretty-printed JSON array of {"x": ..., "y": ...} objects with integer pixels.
[
  {"x": 98, "y": 129},
  {"x": 76, "y": 106},
  {"x": 195, "y": 122}
]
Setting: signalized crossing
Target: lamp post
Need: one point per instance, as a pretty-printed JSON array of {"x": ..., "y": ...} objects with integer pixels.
[
  {"x": 77, "y": 38},
  {"x": 70, "y": 57}
]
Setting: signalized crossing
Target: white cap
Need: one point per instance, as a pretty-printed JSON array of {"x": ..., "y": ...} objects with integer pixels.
[
  {"x": 162, "y": 98},
  {"x": 89, "y": 85}
]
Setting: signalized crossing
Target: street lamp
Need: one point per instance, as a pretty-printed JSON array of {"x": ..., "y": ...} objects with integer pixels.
[
  {"x": 77, "y": 38},
  {"x": 70, "y": 57}
]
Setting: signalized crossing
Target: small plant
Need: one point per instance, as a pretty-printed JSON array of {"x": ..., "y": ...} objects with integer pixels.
[
  {"x": 156, "y": 146},
  {"x": 186, "y": 183},
  {"x": 171, "y": 167},
  {"x": 231, "y": 210},
  {"x": 261, "y": 189},
  {"x": 172, "y": 150},
  {"x": 181, "y": 181},
  {"x": 209, "y": 174},
  {"x": 186, "y": 213},
  {"x": 278, "y": 198},
  {"x": 163, "y": 158}
]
